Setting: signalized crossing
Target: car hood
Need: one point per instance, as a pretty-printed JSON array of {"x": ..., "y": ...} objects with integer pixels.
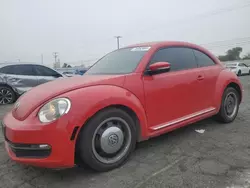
[{"x": 35, "y": 97}]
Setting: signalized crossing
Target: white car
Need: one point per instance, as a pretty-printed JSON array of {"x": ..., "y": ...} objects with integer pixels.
[{"x": 238, "y": 68}]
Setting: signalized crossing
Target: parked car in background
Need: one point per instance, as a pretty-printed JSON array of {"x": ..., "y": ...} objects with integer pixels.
[
  {"x": 239, "y": 68},
  {"x": 15, "y": 79},
  {"x": 130, "y": 95},
  {"x": 68, "y": 73},
  {"x": 80, "y": 72}
]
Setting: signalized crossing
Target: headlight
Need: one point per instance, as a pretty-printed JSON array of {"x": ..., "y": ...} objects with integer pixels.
[{"x": 54, "y": 109}]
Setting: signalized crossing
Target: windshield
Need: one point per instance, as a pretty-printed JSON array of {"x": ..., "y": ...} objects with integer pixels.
[{"x": 121, "y": 61}]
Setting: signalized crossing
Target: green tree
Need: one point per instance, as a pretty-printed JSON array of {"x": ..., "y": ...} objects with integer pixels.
[
  {"x": 65, "y": 65},
  {"x": 231, "y": 54}
]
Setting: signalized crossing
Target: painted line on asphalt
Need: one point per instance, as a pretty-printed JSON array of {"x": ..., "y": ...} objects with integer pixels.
[{"x": 139, "y": 185}]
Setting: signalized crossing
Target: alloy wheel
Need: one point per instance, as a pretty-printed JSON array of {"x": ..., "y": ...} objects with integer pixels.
[{"x": 6, "y": 96}]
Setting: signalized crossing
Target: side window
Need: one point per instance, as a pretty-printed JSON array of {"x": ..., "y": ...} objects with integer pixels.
[
  {"x": 18, "y": 70},
  {"x": 23, "y": 70},
  {"x": 180, "y": 58},
  {"x": 44, "y": 71},
  {"x": 7, "y": 69},
  {"x": 202, "y": 59}
]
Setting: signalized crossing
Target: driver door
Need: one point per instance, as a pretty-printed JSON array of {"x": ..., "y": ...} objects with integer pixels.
[{"x": 176, "y": 94}]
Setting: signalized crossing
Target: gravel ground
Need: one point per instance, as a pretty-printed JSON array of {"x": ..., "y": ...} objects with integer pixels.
[{"x": 220, "y": 157}]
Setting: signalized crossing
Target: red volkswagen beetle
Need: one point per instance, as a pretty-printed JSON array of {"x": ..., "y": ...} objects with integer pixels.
[{"x": 129, "y": 95}]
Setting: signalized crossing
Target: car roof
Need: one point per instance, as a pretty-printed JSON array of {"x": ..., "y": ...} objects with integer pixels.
[
  {"x": 165, "y": 43},
  {"x": 21, "y": 63},
  {"x": 232, "y": 63}
]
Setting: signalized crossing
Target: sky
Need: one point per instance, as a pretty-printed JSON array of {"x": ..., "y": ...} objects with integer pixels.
[{"x": 82, "y": 31}]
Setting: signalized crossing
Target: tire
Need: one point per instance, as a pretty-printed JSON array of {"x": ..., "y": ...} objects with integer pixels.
[
  {"x": 7, "y": 95},
  {"x": 225, "y": 115},
  {"x": 99, "y": 140},
  {"x": 239, "y": 73}
]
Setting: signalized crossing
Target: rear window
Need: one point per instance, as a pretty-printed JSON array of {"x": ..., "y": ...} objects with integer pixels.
[{"x": 121, "y": 61}]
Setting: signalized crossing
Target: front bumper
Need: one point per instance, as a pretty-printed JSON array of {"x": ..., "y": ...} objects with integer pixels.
[{"x": 48, "y": 146}]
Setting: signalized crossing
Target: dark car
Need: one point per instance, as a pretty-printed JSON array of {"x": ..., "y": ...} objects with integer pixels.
[{"x": 15, "y": 79}]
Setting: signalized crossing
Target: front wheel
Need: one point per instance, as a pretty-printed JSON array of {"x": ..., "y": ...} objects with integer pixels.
[
  {"x": 239, "y": 73},
  {"x": 107, "y": 140},
  {"x": 229, "y": 106}
]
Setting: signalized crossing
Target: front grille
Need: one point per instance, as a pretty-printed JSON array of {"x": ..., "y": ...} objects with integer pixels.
[{"x": 29, "y": 150}]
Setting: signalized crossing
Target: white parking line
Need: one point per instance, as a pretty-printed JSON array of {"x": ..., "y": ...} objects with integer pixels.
[{"x": 139, "y": 185}]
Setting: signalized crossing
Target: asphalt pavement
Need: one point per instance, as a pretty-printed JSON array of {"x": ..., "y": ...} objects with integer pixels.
[{"x": 219, "y": 157}]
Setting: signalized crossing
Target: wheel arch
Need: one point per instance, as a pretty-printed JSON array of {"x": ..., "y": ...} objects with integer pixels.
[
  {"x": 226, "y": 79},
  {"x": 236, "y": 87},
  {"x": 92, "y": 103},
  {"x": 125, "y": 108}
]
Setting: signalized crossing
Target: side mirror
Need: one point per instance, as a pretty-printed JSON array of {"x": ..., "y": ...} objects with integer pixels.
[{"x": 159, "y": 67}]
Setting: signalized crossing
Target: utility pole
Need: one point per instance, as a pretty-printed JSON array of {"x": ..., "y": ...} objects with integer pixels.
[
  {"x": 42, "y": 58},
  {"x": 118, "y": 41},
  {"x": 55, "y": 54}
]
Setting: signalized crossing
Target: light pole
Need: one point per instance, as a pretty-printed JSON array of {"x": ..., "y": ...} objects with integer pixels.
[{"x": 118, "y": 41}]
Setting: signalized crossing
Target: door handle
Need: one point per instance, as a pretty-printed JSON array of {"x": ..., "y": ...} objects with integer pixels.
[{"x": 200, "y": 77}]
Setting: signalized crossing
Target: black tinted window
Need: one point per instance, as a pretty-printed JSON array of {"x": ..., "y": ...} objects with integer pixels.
[
  {"x": 18, "y": 70},
  {"x": 45, "y": 71},
  {"x": 24, "y": 69},
  {"x": 7, "y": 70},
  {"x": 179, "y": 58},
  {"x": 121, "y": 61},
  {"x": 242, "y": 65},
  {"x": 202, "y": 59}
]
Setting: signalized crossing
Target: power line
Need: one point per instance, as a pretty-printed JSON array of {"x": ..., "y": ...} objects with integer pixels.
[
  {"x": 204, "y": 15},
  {"x": 231, "y": 45},
  {"x": 199, "y": 16},
  {"x": 229, "y": 40}
]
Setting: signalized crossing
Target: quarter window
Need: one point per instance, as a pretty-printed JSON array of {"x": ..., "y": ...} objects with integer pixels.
[
  {"x": 45, "y": 71},
  {"x": 202, "y": 59},
  {"x": 180, "y": 58}
]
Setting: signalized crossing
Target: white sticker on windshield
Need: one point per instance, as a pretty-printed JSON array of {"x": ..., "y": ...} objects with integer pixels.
[{"x": 140, "y": 49}]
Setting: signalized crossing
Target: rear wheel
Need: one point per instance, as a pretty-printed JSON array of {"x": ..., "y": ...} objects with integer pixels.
[
  {"x": 7, "y": 95},
  {"x": 239, "y": 73},
  {"x": 107, "y": 140},
  {"x": 229, "y": 106}
]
